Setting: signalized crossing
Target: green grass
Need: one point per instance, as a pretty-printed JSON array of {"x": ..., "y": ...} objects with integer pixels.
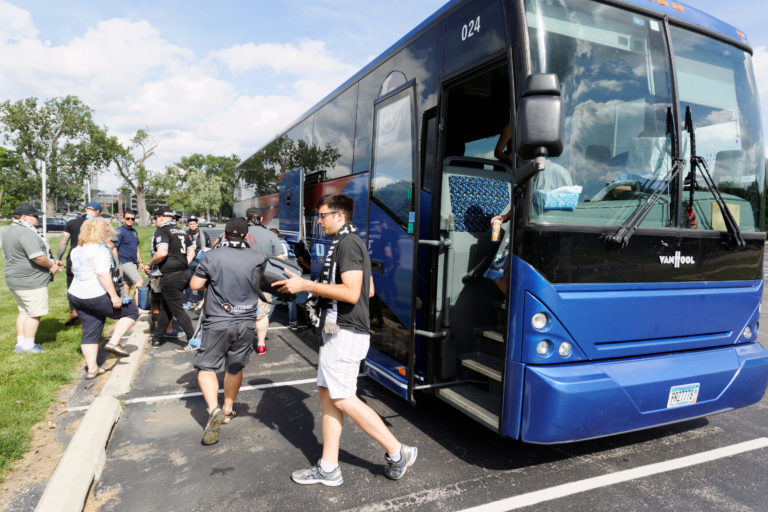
[{"x": 30, "y": 382}]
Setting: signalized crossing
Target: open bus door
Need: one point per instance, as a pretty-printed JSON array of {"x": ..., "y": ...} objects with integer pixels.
[
  {"x": 291, "y": 205},
  {"x": 392, "y": 236}
]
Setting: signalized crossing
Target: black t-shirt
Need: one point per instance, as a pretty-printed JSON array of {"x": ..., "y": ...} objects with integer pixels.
[
  {"x": 73, "y": 228},
  {"x": 177, "y": 241},
  {"x": 199, "y": 239},
  {"x": 232, "y": 294},
  {"x": 351, "y": 254}
]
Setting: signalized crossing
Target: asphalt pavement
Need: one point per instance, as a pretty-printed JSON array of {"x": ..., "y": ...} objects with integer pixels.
[{"x": 153, "y": 458}]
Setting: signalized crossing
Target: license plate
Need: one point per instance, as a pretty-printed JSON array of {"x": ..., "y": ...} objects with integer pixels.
[{"x": 684, "y": 394}]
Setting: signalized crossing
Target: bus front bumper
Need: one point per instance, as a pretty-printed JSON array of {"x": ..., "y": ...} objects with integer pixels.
[{"x": 573, "y": 402}]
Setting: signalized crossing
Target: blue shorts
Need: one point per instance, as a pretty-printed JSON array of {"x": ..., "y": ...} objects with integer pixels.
[{"x": 93, "y": 313}]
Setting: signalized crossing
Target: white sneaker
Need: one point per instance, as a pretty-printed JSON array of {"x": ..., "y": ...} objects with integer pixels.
[{"x": 36, "y": 349}]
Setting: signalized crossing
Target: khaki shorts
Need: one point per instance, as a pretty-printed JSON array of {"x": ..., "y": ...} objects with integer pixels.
[
  {"x": 339, "y": 362},
  {"x": 32, "y": 303},
  {"x": 264, "y": 307},
  {"x": 131, "y": 274}
]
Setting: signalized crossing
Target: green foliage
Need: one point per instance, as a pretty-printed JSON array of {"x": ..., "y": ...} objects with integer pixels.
[
  {"x": 59, "y": 132},
  {"x": 31, "y": 381},
  {"x": 262, "y": 171},
  {"x": 204, "y": 192},
  {"x": 214, "y": 166},
  {"x": 16, "y": 185}
]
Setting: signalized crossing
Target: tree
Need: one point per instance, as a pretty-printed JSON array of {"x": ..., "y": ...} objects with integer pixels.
[
  {"x": 212, "y": 166},
  {"x": 16, "y": 184},
  {"x": 131, "y": 165},
  {"x": 59, "y": 133},
  {"x": 204, "y": 192}
]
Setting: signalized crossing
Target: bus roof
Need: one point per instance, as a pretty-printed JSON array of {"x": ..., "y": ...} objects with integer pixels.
[{"x": 679, "y": 11}]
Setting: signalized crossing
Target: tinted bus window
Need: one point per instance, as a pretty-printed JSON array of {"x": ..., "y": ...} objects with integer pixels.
[
  {"x": 715, "y": 80},
  {"x": 334, "y": 126},
  {"x": 392, "y": 173},
  {"x": 302, "y": 131},
  {"x": 616, "y": 89}
]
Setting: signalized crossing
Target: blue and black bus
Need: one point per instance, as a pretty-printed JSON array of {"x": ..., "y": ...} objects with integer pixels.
[{"x": 634, "y": 182}]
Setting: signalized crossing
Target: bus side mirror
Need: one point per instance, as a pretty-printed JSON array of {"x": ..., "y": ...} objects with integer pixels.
[{"x": 539, "y": 130}]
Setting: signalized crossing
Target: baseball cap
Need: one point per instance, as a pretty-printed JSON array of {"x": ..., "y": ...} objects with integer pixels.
[
  {"x": 253, "y": 212},
  {"x": 236, "y": 228},
  {"x": 27, "y": 209},
  {"x": 163, "y": 212},
  {"x": 94, "y": 204},
  {"x": 192, "y": 218}
]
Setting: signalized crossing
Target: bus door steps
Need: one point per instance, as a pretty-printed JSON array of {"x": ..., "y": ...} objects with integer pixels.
[
  {"x": 474, "y": 401},
  {"x": 483, "y": 363},
  {"x": 490, "y": 333}
]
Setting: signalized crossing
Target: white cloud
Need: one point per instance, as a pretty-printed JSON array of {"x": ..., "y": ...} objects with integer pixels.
[
  {"x": 317, "y": 70},
  {"x": 134, "y": 78},
  {"x": 15, "y": 23}
]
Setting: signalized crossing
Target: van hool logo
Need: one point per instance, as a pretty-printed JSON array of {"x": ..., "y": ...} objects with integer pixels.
[{"x": 677, "y": 260}]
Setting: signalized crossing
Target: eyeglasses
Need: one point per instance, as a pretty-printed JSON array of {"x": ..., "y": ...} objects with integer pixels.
[
  {"x": 130, "y": 218},
  {"x": 323, "y": 215}
]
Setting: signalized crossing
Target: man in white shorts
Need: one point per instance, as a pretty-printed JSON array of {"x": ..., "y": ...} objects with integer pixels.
[
  {"x": 346, "y": 287},
  {"x": 29, "y": 268}
]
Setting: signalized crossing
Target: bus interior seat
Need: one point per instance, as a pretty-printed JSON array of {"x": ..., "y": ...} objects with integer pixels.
[{"x": 470, "y": 199}]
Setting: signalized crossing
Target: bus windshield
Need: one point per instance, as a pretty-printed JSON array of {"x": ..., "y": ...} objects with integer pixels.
[{"x": 616, "y": 85}]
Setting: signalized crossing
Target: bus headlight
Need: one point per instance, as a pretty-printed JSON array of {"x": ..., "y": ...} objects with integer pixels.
[
  {"x": 747, "y": 332},
  {"x": 539, "y": 321},
  {"x": 543, "y": 347},
  {"x": 565, "y": 349}
]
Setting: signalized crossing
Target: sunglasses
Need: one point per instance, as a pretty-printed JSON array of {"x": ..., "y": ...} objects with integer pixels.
[
  {"x": 324, "y": 215},
  {"x": 130, "y": 218}
]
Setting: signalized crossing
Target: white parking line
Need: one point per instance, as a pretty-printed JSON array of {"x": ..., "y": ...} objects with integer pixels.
[
  {"x": 178, "y": 396},
  {"x": 560, "y": 491}
]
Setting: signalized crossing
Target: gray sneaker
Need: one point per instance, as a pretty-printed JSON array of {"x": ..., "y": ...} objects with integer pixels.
[
  {"x": 316, "y": 475},
  {"x": 34, "y": 350},
  {"x": 396, "y": 470}
]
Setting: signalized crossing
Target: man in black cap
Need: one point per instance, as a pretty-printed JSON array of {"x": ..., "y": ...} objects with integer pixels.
[
  {"x": 267, "y": 244},
  {"x": 228, "y": 327},
  {"x": 29, "y": 267},
  {"x": 172, "y": 252},
  {"x": 71, "y": 234},
  {"x": 200, "y": 241}
]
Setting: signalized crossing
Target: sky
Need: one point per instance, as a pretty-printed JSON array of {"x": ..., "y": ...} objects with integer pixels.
[{"x": 224, "y": 77}]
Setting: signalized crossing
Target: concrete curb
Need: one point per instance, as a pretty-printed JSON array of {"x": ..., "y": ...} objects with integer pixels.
[{"x": 85, "y": 455}]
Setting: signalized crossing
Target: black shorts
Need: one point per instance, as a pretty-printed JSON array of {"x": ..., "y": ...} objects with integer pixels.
[
  {"x": 225, "y": 343},
  {"x": 93, "y": 313}
]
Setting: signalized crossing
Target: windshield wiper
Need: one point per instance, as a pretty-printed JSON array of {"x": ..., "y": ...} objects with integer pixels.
[
  {"x": 621, "y": 237},
  {"x": 698, "y": 163}
]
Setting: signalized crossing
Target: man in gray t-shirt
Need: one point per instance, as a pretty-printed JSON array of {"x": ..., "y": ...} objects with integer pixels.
[
  {"x": 29, "y": 267},
  {"x": 230, "y": 309},
  {"x": 267, "y": 244}
]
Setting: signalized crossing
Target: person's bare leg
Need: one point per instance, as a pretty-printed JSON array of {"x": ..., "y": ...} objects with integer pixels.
[
  {"x": 29, "y": 326},
  {"x": 369, "y": 421},
  {"x": 90, "y": 352},
  {"x": 232, "y": 382},
  {"x": 209, "y": 385},
  {"x": 261, "y": 331},
  {"x": 121, "y": 327},
  {"x": 332, "y": 422}
]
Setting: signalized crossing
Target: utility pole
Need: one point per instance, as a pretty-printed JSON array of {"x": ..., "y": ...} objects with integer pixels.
[{"x": 44, "y": 196}]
